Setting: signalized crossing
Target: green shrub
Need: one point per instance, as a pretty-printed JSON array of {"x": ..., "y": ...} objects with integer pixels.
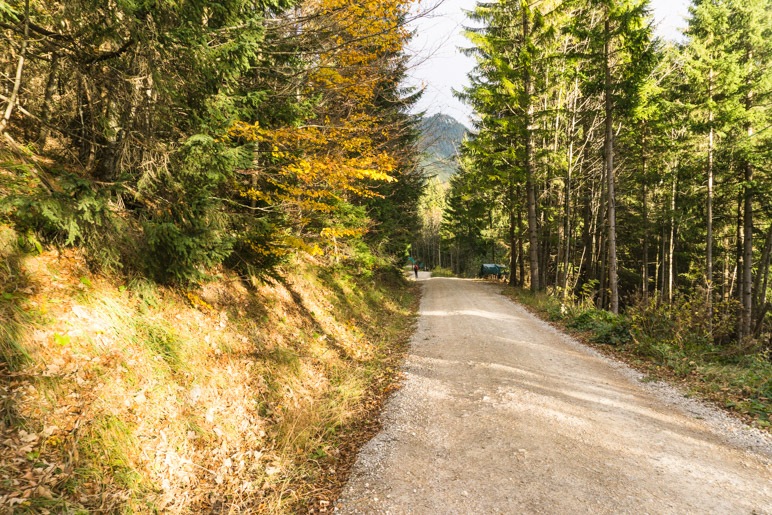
[
  {"x": 74, "y": 214},
  {"x": 605, "y": 326},
  {"x": 363, "y": 260},
  {"x": 556, "y": 309},
  {"x": 585, "y": 321},
  {"x": 183, "y": 247},
  {"x": 186, "y": 227},
  {"x": 686, "y": 325}
]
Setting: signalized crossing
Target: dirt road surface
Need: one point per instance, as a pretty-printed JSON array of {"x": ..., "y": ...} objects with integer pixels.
[{"x": 501, "y": 413}]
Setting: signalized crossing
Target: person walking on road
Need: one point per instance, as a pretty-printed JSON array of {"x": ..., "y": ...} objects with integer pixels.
[{"x": 415, "y": 269}]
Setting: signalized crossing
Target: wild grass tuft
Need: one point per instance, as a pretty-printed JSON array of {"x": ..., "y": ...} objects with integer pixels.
[
  {"x": 13, "y": 355},
  {"x": 162, "y": 342},
  {"x": 13, "y": 318},
  {"x": 109, "y": 452}
]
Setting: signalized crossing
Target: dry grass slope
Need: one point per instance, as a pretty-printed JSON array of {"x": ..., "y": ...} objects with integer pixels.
[{"x": 125, "y": 397}]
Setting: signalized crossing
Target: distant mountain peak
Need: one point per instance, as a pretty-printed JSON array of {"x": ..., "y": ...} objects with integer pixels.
[
  {"x": 442, "y": 135},
  {"x": 444, "y": 118},
  {"x": 441, "y": 138}
]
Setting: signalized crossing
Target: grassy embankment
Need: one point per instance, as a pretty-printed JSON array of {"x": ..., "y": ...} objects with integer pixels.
[
  {"x": 671, "y": 344},
  {"x": 118, "y": 395}
]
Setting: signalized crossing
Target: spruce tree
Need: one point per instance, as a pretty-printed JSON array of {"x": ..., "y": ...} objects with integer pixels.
[
  {"x": 712, "y": 71},
  {"x": 619, "y": 56}
]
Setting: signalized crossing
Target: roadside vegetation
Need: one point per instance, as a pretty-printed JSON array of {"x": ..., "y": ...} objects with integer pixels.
[
  {"x": 442, "y": 272},
  {"x": 122, "y": 395}
]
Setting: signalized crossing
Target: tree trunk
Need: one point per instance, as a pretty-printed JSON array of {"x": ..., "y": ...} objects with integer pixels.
[
  {"x": 567, "y": 226},
  {"x": 439, "y": 250},
  {"x": 569, "y": 196},
  {"x": 512, "y": 232},
  {"x": 527, "y": 104},
  {"x": 86, "y": 125},
  {"x": 45, "y": 109},
  {"x": 544, "y": 249},
  {"x": 520, "y": 244},
  {"x": 748, "y": 191},
  {"x": 493, "y": 237},
  {"x": 736, "y": 291},
  {"x": 747, "y": 270},
  {"x": 671, "y": 241},
  {"x": 645, "y": 250},
  {"x": 14, "y": 98},
  {"x": 603, "y": 273},
  {"x": 645, "y": 215},
  {"x": 709, "y": 212},
  {"x": 587, "y": 263},
  {"x": 760, "y": 283},
  {"x": 608, "y": 150},
  {"x": 587, "y": 248},
  {"x": 659, "y": 284}
]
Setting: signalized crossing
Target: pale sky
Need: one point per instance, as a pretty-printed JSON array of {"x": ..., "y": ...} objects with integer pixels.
[{"x": 440, "y": 67}]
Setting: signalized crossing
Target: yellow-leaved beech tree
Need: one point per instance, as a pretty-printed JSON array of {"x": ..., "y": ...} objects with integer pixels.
[{"x": 320, "y": 173}]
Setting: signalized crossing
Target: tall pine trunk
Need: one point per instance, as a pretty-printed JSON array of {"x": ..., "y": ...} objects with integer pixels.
[
  {"x": 569, "y": 193},
  {"x": 520, "y": 243},
  {"x": 644, "y": 213},
  {"x": 527, "y": 104},
  {"x": 760, "y": 284},
  {"x": 709, "y": 209},
  {"x": 645, "y": 216},
  {"x": 608, "y": 150},
  {"x": 747, "y": 270},
  {"x": 512, "y": 233},
  {"x": 671, "y": 240}
]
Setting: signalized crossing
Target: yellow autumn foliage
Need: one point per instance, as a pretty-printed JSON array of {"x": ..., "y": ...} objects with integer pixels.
[{"x": 334, "y": 157}]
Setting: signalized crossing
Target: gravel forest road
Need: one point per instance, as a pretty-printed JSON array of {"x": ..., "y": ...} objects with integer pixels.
[{"x": 501, "y": 413}]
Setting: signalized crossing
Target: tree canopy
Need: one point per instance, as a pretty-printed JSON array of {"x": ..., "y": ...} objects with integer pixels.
[
  {"x": 617, "y": 168},
  {"x": 235, "y": 133}
]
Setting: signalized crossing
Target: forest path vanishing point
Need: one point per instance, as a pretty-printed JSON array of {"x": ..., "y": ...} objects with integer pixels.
[{"x": 501, "y": 413}]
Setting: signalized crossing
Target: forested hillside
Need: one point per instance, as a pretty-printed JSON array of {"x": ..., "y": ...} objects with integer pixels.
[
  {"x": 626, "y": 174},
  {"x": 203, "y": 208}
]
